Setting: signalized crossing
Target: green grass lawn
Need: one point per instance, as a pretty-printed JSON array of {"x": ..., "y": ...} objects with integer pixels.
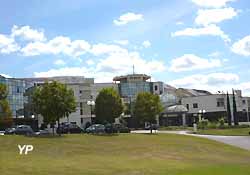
[
  {"x": 125, "y": 154},
  {"x": 226, "y": 132}
]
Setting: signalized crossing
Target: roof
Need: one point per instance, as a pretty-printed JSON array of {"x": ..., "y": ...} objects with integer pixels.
[
  {"x": 176, "y": 109},
  {"x": 119, "y": 78}
]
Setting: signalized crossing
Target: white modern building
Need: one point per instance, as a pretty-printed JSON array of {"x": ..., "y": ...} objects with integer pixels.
[{"x": 214, "y": 106}]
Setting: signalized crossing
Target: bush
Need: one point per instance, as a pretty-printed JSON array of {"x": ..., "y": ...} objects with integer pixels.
[
  {"x": 212, "y": 125},
  {"x": 221, "y": 123},
  {"x": 203, "y": 124},
  {"x": 6, "y": 123}
]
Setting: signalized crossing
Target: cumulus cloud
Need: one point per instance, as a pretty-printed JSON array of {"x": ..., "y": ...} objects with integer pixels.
[
  {"x": 122, "y": 42},
  {"x": 8, "y": 44},
  {"x": 146, "y": 44},
  {"x": 213, "y": 82},
  {"x": 27, "y": 33},
  {"x": 57, "y": 45},
  {"x": 190, "y": 62},
  {"x": 212, "y": 3},
  {"x": 211, "y": 29},
  {"x": 5, "y": 75},
  {"x": 212, "y": 16},
  {"x": 127, "y": 18},
  {"x": 115, "y": 61},
  {"x": 242, "y": 47},
  {"x": 59, "y": 62}
]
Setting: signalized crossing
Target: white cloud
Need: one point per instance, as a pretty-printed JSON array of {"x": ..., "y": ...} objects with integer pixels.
[
  {"x": 101, "y": 48},
  {"x": 116, "y": 61},
  {"x": 212, "y": 30},
  {"x": 27, "y": 33},
  {"x": 212, "y": 16},
  {"x": 122, "y": 42},
  {"x": 58, "y": 45},
  {"x": 179, "y": 23},
  {"x": 213, "y": 82},
  {"x": 59, "y": 62},
  {"x": 5, "y": 75},
  {"x": 146, "y": 44},
  {"x": 190, "y": 62},
  {"x": 8, "y": 44},
  {"x": 128, "y": 17},
  {"x": 212, "y": 3},
  {"x": 90, "y": 62},
  {"x": 242, "y": 47},
  {"x": 215, "y": 54}
]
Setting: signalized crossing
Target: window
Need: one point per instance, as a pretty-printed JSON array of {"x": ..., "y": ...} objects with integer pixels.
[
  {"x": 80, "y": 104},
  {"x": 81, "y": 112},
  {"x": 80, "y": 91},
  {"x": 187, "y": 105},
  {"x": 81, "y": 120},
  {"x": 243, "y": 102},
  {"x": 156, "y": 88},
  {"x": 220, "y": 102},
  {"x": 195, "y": 105}
]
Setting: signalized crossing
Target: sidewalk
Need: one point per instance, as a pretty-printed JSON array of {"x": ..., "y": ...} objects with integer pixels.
[{"x": 238, "y": 141}]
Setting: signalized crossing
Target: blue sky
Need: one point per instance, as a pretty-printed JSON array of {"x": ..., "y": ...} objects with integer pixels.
[{"x": 203, "y": 44}]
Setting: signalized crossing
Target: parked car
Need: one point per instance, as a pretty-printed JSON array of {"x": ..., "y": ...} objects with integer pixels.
[
  {"x": 43, "y": 132},
  {"x": 121, "y": 128},
  {"x": 153, "y": 126},
  {"x": 110, "y": 128},
  {"x": 69, "y": 128},
  {"x": 20, "y": 130},
  {"x": 95, "y": 129}
]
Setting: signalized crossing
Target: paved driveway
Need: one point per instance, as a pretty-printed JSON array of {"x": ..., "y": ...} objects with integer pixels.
[{"x": 239, "y": 141}]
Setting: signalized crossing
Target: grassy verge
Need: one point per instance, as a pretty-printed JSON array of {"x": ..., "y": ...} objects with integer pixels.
[
  {"x": 124, "y": 154},
  {"x": 226, "y": 132},
  {"x": 175, "y": 128}
]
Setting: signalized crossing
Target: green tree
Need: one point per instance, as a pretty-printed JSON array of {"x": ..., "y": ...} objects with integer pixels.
[
  {"x": 235, "y": 113},
  {"x": 147, "y": 107},
  {"x": 5, "y": 111},
  {"x": 53, "y": 101},
  {"x": 229, "y": 116},
  {"x": 108, "y": 105},
  {"x": 6, "y": 119}
]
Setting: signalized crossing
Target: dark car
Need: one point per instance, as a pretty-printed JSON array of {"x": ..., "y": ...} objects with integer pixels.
[
  {"x": 20, "y": 130},
  {"x": 121, "y": 128},
  {"x": 95, "y": 129},
  {"x": 153, "y": 126},
  {"x": 110, "y": 128},
  {"x": 70, "y": 128},
  {"x": 43, "y": 133}
]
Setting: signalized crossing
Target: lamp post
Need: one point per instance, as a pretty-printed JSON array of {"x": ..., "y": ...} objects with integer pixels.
[
  {"x": 201, "y": 113},
  {"x": 91, "y": 103}
]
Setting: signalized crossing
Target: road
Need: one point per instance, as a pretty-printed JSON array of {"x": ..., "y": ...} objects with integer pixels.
[{"x": 238, "y": 141}]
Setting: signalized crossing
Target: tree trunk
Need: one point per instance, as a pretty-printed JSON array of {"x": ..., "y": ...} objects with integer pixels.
[
  {"x": 151, "y": 128},
  {"x": 59, "y": 129}
]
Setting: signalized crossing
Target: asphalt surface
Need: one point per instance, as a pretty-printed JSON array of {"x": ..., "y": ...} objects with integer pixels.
[{"x": 238, "y": 141}]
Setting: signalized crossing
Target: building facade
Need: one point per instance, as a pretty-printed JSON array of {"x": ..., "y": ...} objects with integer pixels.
[{"x": 16, "y": 98}]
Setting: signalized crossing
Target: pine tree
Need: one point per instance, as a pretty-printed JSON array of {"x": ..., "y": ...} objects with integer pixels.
[
  {"x": 229, "y": 117},
  {"x": 235, "y": 113}
]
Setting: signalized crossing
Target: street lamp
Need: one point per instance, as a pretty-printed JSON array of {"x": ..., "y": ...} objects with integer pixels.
[
  {"x": 201, "y": 113},
  {"x": 91, "y": 103}
]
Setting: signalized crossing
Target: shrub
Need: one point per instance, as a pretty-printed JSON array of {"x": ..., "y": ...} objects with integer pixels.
[
  {"x": 212, "y": 125},
  {"x": 203, "y": 124},
  {"x": 221, "y": 123}
]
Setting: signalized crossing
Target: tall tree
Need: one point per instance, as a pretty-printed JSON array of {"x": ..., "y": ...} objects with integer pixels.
[
  {"x": 6, "y": 119},
  {"x": 108, "y": 105},
  {"x": 229, "y": 116},
  {"x": 53, "y": 101},
  {"x": 147, "y": 107},
  {"x": 5, "y": 110},
  {"x": 235, "y": 113}
]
